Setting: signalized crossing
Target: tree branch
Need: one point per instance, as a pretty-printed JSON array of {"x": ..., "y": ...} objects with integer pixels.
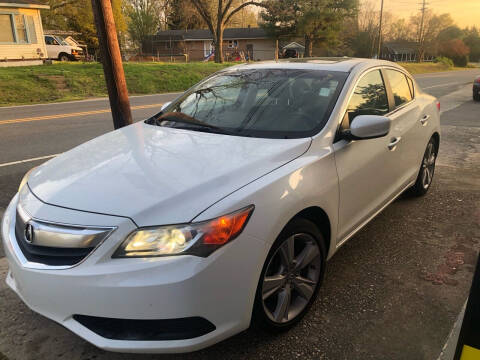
[{"x": 248, "y": 3}]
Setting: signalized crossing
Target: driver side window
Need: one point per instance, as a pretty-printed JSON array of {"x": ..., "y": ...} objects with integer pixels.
[{"x": 369, "y": 98}]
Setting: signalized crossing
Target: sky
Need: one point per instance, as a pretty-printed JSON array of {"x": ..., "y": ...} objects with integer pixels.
[{"x": 464, "y": 12}]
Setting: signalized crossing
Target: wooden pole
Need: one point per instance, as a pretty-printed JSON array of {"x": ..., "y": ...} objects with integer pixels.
[
  {"x": 276, "y": 49},
  {"x": 379, "y": 50},
  {"x": 112, "y": 63}
]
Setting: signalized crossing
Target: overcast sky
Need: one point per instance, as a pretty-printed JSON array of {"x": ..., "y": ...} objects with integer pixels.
[{"x": 464, "y": 12}]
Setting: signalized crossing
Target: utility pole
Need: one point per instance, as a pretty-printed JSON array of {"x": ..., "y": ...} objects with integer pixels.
[
  {"x": 420, "y": 37},
  {"x": 380, "y": 32},
  {"x": 112, "y": 63}
]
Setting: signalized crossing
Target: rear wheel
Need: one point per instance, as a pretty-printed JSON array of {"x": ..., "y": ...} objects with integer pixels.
[
  {"x": 291, "y": 276},
  {"x": 425, "y": 175}
]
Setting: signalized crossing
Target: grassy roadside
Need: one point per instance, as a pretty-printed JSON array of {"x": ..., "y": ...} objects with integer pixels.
[
  {"x": 73, "y": 81},
  {"x": 424, "y": 68}
]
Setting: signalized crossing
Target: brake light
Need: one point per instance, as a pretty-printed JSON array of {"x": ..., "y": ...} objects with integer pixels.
[
  {"x": 478, "y": 80},
  {"x": 438, "y": 106},
  {"x": 74, "y": 52}
]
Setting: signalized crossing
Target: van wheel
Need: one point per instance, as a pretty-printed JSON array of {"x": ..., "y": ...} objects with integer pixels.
[
  {"x": 291, "y": 276},
  {"x": 63, "y": 57}
]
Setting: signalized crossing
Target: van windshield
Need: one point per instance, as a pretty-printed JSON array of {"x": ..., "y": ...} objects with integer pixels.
[{"x": 272, "y": 103}]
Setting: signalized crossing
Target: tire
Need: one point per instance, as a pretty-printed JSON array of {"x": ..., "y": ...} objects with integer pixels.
[
  {"x": 268, "y": 311},
  {"x": 427, "y": 169},
  {"x": 63, "y": 57},
  {"x": 476, "y": 96}
]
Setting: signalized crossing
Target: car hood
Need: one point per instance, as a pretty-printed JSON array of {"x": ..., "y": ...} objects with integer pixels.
[{"x": 158, "y": 175}]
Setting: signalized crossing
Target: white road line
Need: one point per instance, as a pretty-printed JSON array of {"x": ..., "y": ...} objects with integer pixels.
[
  {"x": 28, "y": 160},
  {"x": 86, "y": 100},
  {"x": 446, "y": 84}
]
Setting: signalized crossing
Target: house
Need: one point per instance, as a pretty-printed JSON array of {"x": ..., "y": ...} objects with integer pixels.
[
  {"x": 251, "y": 43},
  {"x": 21, "y": 33},
  {"x": 293, "y": 49}
]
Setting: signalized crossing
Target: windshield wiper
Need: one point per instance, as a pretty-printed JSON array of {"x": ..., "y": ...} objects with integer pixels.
[{"x": 177, "y": 117}]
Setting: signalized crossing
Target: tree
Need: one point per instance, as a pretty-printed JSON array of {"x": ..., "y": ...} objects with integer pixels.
[
  {"x": 76, "y": 15},
  {"x": 144, "y": 19},
  {"x": 456, "y": 50},
  {"x": 217, "y": 15},
  {"x": 182, "y": 15},
  {"x": 472, "y": 40},
  {"x": 433, "y": 25},
  {"x": 321, "y": 20}
]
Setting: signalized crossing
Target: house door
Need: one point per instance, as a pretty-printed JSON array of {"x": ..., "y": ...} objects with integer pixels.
[
  {"x": 250, "y": 51},
  {"x": 207, "y": 48}
]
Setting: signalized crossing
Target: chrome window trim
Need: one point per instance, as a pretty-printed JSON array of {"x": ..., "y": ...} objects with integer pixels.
[
  {"x": 39, "y": 266},
  {"x": 344, "y": 109}
]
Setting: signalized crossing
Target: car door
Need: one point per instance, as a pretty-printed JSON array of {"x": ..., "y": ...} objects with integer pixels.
[
  {"x": 52, "y": 47},
  {"x": 406, "y": 119},
  {"x": 366, "y": 168}
]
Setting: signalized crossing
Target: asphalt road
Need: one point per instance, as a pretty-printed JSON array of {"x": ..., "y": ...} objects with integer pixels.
[{"x": 392, "y": 292}]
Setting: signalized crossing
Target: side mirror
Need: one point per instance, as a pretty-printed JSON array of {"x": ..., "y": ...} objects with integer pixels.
[
  {"x": 365, "y": 127},
  {"x": 164, "y": 106}
]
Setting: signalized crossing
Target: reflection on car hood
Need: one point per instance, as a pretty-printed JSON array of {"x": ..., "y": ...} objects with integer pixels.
[{"x": 158, "y": 175}]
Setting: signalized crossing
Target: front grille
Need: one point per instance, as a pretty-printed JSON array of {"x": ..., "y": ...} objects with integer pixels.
[
  {"x": 146, "y": 330},
  {"x": 47, "y": 255}
]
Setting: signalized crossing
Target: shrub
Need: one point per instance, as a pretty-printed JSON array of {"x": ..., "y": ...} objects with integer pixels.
[{"x": 444, "y": 60}]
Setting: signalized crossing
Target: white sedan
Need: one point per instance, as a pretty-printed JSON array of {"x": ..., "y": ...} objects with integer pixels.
[{"x": 221, "y": 210}]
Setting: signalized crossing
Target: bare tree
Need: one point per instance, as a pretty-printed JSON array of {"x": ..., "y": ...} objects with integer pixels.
[{"x": 217, "y": 16}]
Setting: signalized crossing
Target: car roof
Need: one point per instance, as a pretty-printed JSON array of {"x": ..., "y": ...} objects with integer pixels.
[{"x": 342, "y": 64}]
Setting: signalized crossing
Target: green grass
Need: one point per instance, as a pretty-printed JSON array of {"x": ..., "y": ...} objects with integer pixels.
[
  {"x": 424, "y": 68},
  {"x": 74, "y": 81}
]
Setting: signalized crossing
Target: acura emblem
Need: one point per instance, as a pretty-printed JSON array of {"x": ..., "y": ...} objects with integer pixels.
[{"x": 29, "y": 233}]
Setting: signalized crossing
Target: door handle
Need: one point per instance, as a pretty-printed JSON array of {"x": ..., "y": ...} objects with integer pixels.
[
  {"x": 424, "y": 119},
  {"x": 393, "y": 143}
]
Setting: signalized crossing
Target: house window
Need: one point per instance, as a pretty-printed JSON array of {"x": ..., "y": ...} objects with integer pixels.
[
  {"x": 232, "y": 44},
  {"x": 20, "y": 29},
  {"x": 168, "y": 45},
  {"x": 32, "y": 34},
  {"x": 7, "y": 33}
]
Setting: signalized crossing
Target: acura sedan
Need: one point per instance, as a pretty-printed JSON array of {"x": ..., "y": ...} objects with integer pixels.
[{"x": 220, "y": 211}]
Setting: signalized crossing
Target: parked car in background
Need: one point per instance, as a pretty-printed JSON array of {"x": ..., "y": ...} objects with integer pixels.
[
  {"x": 290, "y": 53},
  {"x": 60, "y": 49},
  {"x": 476, "y": 89},
  {"x": 174, "y": 233}
]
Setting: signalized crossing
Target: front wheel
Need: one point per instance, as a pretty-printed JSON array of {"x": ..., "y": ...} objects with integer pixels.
[
  {"x": 425, "y": 175},
  {"x": 291, "y": 276},
  {"x": 63, "y": 57}
]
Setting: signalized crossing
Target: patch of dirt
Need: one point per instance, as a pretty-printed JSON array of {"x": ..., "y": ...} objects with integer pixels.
[{"x": 58, "y": 81}]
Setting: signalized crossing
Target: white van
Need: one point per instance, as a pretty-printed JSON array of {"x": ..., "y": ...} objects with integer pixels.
[{"x": 60, "y": 49}]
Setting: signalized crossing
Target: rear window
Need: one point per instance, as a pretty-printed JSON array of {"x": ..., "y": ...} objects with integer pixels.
[{"x": 400, "y": 87}]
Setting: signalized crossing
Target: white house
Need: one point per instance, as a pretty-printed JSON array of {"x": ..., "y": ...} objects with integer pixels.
[{"x": 21, "y": 34}]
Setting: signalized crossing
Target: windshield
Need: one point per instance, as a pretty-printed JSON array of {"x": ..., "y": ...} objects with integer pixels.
[
  {"x": 272, "y": 103},
  {"x": 61, "y": 40}
]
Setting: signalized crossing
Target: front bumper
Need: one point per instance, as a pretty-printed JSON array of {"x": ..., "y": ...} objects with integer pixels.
[{"x": 220, "y": 288}]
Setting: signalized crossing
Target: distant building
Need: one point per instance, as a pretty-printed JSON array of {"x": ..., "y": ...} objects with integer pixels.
[
  {"x": 21, "y": 33},
  {"x": 251, "y": 43},
  {"x": 404, "y": 51}
]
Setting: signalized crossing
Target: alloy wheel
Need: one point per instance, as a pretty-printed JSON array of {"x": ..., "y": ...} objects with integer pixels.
[
  {"x": 428, "y": 165},
  {"x": 291, "y": 278}
]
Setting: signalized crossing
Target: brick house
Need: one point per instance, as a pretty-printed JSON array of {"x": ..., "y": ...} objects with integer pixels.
[{"x": 252, "y": 43}]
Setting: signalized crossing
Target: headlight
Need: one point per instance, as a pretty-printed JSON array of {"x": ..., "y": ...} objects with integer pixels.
[
  {"x": 199, "y": 239},
  {"x": 25, "y": 179}
]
